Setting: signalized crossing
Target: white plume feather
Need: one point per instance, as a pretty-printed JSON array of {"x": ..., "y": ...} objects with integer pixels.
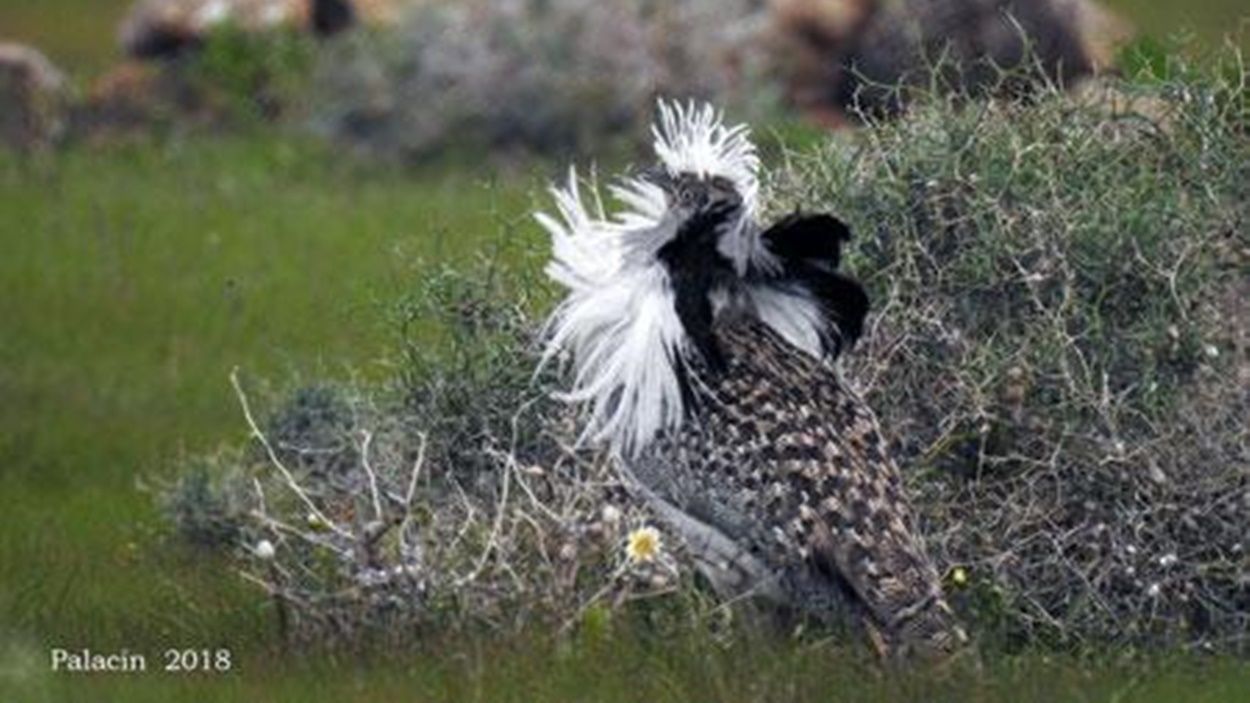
[
  {"x": 618, "y": 321},
  {"x": 792, "y": 315}
]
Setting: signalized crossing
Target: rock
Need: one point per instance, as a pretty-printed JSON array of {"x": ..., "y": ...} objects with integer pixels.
[
  {"x": 130, "y": 99},
  {"x": 166, "y": 28},
  {"x": 33, "y": 98},
  {"x": 839, "y": 54},
  {"x": 811, "y": 40}
]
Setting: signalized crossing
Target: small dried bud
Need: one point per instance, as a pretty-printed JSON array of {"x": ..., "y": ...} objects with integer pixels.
[
  {"x": 611, "y": 514},
  {"x": 1154, "y": 591},
  {"x": 959, "y": 576},
  {"x": 374, "y": 528},
  {"x": 1168, "y": 560},
  {"x": 568, "y": 551}
]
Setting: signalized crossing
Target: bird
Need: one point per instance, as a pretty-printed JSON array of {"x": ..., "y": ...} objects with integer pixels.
[{"x": 703, "y": 349}]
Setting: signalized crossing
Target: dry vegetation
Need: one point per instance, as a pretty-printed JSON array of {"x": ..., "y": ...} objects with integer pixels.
[
  {"x": 451, "y": 500},
  {"x": 1060, "y": 347}
]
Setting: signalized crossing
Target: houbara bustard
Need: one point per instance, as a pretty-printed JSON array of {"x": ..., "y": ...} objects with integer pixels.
[{"x": 703, "y": 348}]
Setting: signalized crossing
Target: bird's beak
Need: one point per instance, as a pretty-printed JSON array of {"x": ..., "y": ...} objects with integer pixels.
[{"x": 659, "y": 176}]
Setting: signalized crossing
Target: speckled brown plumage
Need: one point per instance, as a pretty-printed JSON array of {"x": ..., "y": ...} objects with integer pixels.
[{"x": 782, "y": 459}]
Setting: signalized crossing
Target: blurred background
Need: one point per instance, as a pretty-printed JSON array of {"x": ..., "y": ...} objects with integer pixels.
[
  {"x": 414, "y": 78},
  {"x": 82, "y": 34}
]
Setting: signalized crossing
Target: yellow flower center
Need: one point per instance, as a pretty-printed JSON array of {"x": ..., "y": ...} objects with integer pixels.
[
  {"x": 959, "y": 576},
  {"x": 644, "y": 544}
]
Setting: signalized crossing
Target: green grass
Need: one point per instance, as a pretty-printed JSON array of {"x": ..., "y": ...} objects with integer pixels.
[
  {"x": 1208, "y": 19},
  {"x": 629, "y": 669},
  {"x": 132, "y": 281},
  {"x": 79, "y": 34}
]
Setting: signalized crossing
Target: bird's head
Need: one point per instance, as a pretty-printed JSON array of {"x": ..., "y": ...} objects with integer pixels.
[
  {"x": 705, "y": 218},
  {"x": 692, "y": 194}
]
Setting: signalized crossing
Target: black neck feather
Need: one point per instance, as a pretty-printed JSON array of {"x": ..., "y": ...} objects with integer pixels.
[{"x": 695, "y": 267}]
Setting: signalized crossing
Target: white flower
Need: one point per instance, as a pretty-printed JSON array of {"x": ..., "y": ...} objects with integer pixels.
[
  {"x": 265, "y": 550},
  {"x": 644, "y": 545}
]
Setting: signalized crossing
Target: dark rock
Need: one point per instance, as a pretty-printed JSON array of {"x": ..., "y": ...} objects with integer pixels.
[
  {"x": 33, "y": 99},
  {"x": 847, "y": 54}
]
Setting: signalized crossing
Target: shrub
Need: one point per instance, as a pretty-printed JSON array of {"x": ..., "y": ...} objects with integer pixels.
[
  {"x": 201, "y": 504},
  {"x": 451, "y": 498},
  {"x": 245, "y": 76},
  {"x": 466, "y": 365},
  {"x": 1060, "y": 348}
]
